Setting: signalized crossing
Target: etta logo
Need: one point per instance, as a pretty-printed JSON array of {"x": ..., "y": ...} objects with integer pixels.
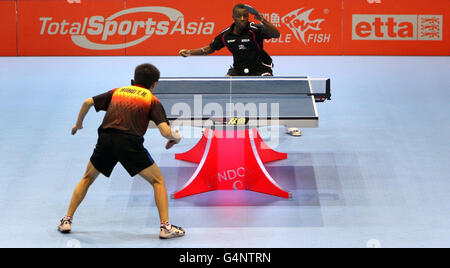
[{"x": 397, "y": 27}]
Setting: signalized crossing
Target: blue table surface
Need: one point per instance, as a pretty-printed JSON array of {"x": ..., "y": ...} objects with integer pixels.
[{"x": 283, "y": 97}]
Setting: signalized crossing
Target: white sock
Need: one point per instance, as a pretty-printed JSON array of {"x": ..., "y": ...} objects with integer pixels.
[{"x": 166, "y": 225}]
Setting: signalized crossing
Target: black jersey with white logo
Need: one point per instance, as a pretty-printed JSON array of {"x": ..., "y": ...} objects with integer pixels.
[{"x": 247, "y": 48}]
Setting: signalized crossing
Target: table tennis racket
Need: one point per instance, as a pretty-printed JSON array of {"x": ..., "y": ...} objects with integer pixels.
[
  {"x": 251, "y": 10},
  {"x": 169, "y": 144}
]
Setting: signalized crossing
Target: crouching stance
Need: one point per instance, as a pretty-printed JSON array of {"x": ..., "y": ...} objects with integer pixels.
[{"x": 120, "y": 139}]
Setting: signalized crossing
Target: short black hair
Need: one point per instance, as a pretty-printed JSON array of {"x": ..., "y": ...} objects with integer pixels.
[
  {"x": 146, "y": 74},
  {"x": 237, "y": 6}
]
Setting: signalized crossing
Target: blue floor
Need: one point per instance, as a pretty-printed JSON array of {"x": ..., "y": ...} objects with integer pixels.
[{"x": 375, "y": 172}]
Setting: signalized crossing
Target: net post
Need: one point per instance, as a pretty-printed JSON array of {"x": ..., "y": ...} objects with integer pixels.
[{"x": 328, "y": 89}]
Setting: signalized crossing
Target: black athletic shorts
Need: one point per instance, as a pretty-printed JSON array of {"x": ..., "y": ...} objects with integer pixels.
[{"x": 113, "y": 147}]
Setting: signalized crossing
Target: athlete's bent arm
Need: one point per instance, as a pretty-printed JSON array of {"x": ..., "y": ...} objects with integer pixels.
[
  {"x": 87, "y": 104},
  {"x": 168, "y": 133},
  {"x": 271, "y": 30},
  {"x": 196, "y": 52}
]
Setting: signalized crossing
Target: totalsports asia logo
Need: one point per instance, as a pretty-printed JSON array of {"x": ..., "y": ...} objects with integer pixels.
[
  {"x": 162, "y": 21},
  {"x": 397, "y": 27}
]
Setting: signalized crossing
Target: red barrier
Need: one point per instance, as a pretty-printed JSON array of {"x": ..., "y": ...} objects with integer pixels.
[
  {"x": 160, "y": 27},
  {"x": 396, "y": 27},
  {"x": 8, "y": 38},
  {"x": 118, "y": 27}
]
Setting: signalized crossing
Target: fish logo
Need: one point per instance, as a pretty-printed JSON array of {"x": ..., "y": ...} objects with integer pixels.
[{"x": 299, "y": 23}]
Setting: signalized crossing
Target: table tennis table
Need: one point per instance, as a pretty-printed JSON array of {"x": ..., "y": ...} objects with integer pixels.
[{"x": 231, "y": 152}]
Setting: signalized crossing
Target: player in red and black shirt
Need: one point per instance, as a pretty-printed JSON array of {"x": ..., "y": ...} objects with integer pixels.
[
  {"x": 245, "y": 41},
  {"x": 120, "y": 139}
]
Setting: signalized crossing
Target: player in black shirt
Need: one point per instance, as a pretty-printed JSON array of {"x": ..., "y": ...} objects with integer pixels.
[{"x": 245, "y": 41}]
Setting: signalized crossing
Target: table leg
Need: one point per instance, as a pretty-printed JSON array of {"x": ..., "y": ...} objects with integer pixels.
[{"x": 231, "y": 161}]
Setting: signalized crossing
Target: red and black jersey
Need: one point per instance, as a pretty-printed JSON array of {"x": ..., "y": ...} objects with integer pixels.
[
  {"x": 247, "y": 48},
  {"x": 129, "y": 110}
]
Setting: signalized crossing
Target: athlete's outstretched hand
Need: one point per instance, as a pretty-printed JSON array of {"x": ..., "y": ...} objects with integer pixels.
[
  {"x": 75, "y": 129},
  {"x": 176, "y": 138},
  {"x": 185, "y": 52}
]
